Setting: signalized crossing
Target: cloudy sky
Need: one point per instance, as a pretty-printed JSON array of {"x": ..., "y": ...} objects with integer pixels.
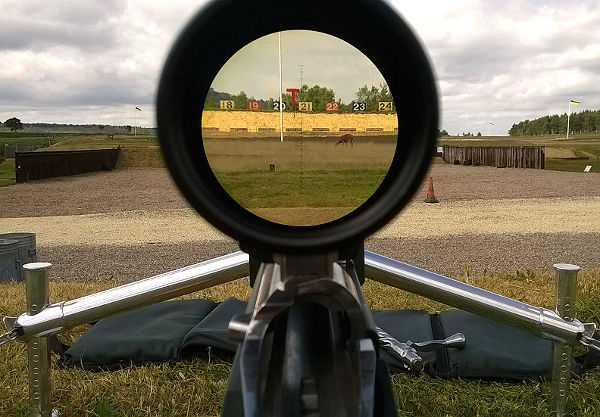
[
  {"x": 89, "y": 61},
  {"x": 307, "y": 56}
]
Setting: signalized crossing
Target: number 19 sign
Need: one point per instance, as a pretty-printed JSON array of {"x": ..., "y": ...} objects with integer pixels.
[{"x": 254, "y": 105}]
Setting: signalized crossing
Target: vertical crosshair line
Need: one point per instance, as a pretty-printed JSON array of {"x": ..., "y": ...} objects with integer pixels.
[
  {"x": 280, "y": 91},
  {"x": 301, "y": 136}
]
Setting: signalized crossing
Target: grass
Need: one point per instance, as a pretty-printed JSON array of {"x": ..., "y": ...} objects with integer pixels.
[
  {"x": 255, "y": 152},
  {"x": 7, "y": 172},
  {"x": 308, "y": 172},
  {"x": 12, "y": 138},
  {"x": 196, "y": 387},
  {"x": 95, "y": 141},
  {"x": 344, "y": 188}
]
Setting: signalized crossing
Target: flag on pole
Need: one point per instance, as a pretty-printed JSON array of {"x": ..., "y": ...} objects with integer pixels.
[
  {"x": 575, "y": 102},
  {"x": 138, "y": 109}
]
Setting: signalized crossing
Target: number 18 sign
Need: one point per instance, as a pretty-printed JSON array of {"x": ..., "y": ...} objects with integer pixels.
[{"x": 227, "y": 104}]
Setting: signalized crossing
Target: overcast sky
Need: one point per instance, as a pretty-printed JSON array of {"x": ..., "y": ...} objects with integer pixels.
[
  {"x": 69, "y": 61},
  {"x": 326, "y": 61}
]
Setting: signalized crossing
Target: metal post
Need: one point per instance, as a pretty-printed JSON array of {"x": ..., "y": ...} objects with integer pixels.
[
  {"x": 36, "y": 284},
  {"x": 568, "y": 119},
  {"x": 565, "y": 297}
]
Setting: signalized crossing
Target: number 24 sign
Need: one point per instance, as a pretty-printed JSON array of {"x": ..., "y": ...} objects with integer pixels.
[{"x": 385, "y": 106}]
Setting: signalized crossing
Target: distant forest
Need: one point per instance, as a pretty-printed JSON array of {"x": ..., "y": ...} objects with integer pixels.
[{"x": 587, "y": 121}]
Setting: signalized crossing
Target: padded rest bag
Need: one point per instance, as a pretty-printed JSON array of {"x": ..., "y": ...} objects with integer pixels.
[
  {"x": 213, "y": 329},
  {"x": 149, "y": 334},
  {"x": 493, "y": 350},
  {"x": 174, "y": 330}
]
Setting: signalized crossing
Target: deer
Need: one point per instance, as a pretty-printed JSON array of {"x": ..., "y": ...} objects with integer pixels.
[{"x": 347, "y": 138}]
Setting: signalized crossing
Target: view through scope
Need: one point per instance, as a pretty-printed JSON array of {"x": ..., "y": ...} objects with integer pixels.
[{"x": 319, "y": 155}]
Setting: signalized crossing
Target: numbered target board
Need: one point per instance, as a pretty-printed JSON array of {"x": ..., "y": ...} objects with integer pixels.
[
  {"x": 332, "y": 106},
  {"x": 305, "y": 106},
  {"x": 254, "y": 105},
  {"x": 359, "y": 106},
  {"x": 227, "y": 104},
  {"x": 385, "y": 106},
  {"x": 276, "y": 106}
]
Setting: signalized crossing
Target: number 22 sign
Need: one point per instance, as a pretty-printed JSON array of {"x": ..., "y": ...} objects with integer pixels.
[{"x": 332, "y": 106}]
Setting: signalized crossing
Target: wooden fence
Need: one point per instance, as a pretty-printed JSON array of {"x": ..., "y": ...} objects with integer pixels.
[
  {"x": 39, "y": 165},
  {"x": 11, "y": 150},
  {"x": 496, "y": 156}
]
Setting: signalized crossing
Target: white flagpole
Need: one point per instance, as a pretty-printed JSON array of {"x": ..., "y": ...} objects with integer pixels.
[
  {"x": 280, "y": 92},
  {"x": 135, "y": 122},
  {"x": 568, "y": 119}
]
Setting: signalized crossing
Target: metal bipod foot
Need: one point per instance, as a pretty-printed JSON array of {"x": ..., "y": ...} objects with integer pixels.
[
  {"x": 565, "y": 297},
  {"x": 38, "y": 352}
]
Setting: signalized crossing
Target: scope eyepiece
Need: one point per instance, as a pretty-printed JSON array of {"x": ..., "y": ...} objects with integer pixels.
[{"x": 221, "y": 29}]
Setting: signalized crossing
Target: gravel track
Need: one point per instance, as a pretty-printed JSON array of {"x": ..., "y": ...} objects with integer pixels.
[
  {"x": 153, "y": 189},
  {"x": 488, "y": 219},
  {"x": 419, "y": 220},
  {"x": 444, "y": 255}
]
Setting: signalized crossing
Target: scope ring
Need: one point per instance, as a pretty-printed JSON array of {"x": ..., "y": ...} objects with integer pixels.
[{"x": 371, "y": 26}]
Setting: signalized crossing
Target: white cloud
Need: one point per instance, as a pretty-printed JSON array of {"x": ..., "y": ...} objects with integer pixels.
[
  {"x": 506, "y": 61},
  {"x": 499, "y": 61}
]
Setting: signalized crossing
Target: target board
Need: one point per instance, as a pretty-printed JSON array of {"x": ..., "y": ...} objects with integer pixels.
[
  {"x": 227, "y": 104},
  {"x": 385, "y": 106}
]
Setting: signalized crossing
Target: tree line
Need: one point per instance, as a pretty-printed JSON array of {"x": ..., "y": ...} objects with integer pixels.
[
  {"x": 318, "y": 95},
  {"x": 14, "y": 124},
  {"x": 587, "y": 121}
]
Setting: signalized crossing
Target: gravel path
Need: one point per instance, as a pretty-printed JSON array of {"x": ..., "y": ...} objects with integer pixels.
[
  {"x": 445, "y": 255},
  {"x": 419, "y": 220},
  {"x": 152, "y": 189},
  {"x": 488, "y": 219}
]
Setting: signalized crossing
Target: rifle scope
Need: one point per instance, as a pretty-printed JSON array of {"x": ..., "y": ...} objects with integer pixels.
[{"x": 297, "y": 127}]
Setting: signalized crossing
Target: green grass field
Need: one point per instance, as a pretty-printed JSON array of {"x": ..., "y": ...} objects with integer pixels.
[
  {"x": 95, "y": 141},
  {"x": 196, "y": 387},
  {"x": 38, "y": 141},
  {"x": 251, "y": 151},
  {"x": 7, "y": 172}
]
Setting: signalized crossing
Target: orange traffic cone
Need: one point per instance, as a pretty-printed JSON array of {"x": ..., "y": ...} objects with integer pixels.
[{"x": 430, "y": 193}]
